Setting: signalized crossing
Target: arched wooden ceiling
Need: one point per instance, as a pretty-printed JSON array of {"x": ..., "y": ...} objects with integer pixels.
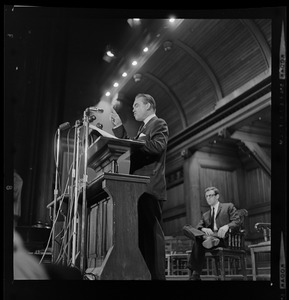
[{"x": 209, "y": 59}]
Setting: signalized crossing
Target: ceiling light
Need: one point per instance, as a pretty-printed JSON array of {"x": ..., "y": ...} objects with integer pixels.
[
  {"x": 146, "y": 49},
  {"x": 115, "y": 84},
  {"x": 109, "y": 53},
  {"x": 134, "y": 22},
  {"x": 124, "y": 74},
  {"x": 107, "y": 94},
  {"x": 137, "y": 77},
  {"x": 167, "y": 45},
  {"x": 134, "y": 63},
  {"x": 172, "y": 20}
]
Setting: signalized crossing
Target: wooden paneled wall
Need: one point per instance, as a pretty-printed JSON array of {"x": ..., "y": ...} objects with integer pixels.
[
  {"x": 174, "y": 217},
  {"x": 258, "y": 200}
]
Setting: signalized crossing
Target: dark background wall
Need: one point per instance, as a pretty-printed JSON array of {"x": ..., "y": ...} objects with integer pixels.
[{"x": 53, "y": 71}]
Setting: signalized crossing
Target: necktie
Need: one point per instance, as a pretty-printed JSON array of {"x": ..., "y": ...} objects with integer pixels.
[
  {"x": 140, "y": 130},
  {"x": 212, "y": 219}
]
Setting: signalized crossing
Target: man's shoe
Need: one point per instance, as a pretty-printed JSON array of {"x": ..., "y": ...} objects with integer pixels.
[
  {"x": 210, "y": 242},
  {"x": 195, "y": 277}
]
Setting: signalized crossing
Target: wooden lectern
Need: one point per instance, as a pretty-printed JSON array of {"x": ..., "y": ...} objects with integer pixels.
[{"x": 111, "y": 249}]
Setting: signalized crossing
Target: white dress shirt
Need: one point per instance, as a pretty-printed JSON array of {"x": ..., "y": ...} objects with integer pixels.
[
  {"x": 148, "y": 118},
  {"x": 216, "y": 206}
]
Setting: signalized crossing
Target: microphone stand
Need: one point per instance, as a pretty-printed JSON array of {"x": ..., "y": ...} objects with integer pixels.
[
  {"x": 84, "y": 210},
  {"x": 55, "y": 194},
  {"x": 76, "y": 175},
  {"x": 73, "y": 181}
]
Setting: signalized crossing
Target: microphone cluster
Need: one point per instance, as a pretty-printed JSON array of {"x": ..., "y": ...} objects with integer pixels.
[{"x": 78, "y": 123}]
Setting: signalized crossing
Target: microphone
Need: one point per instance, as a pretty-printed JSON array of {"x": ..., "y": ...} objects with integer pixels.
[
  {"x": 99, "y": 125},
  {"x": 80, "y": 122},
  {"x": 91, "y": 118},
  {"x": 93, "y": 108},
  {"x": 64, "y": 126}
]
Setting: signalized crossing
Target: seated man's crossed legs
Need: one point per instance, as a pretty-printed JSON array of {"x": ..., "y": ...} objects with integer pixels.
[{"x": 200, "y": 242}]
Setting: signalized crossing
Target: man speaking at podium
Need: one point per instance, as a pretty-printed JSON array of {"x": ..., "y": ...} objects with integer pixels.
[{"x": 149, "y": 160}]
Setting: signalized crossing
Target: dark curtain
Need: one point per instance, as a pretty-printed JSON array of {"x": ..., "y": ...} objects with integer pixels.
[{"x": 35, "y": 56}]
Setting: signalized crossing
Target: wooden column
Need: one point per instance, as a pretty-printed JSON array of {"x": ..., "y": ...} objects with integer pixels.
[{"x": 192, "y": 189}]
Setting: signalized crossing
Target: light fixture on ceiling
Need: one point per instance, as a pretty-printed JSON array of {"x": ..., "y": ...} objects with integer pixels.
[
  {"x": 167, "y": 45},
  {"x": 109, "y": 54},
  {"x": 137, "y": 77},
  {"x": 134, "y": 22}
]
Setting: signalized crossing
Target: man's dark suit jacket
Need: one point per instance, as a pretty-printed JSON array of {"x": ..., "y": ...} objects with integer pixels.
[
  {"x": 149, "y": 160},
  {"x": 226, "y": 215}
]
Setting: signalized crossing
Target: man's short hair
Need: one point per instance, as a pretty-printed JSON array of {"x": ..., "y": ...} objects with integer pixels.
[
  {"x": 147, "y": 99},
  {"x": 212, "y": 188}
]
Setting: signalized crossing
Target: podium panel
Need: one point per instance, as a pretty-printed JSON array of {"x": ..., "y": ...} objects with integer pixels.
[
  {"x": 103, "y": 154},
  {"x": 113, "y": 252}
]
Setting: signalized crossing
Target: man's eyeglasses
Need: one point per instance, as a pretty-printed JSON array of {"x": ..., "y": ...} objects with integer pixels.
[{"x": 210, "y": 195}]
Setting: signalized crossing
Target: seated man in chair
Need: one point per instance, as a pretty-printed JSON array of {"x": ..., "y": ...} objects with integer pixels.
[{"x": 211, "y": 231}]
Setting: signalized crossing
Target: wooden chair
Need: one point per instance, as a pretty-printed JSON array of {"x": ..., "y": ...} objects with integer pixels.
[
  {"x": 176, "y": 257},
  {"x": 262, "y": 247},
  {"x": 225, "y": 262}
]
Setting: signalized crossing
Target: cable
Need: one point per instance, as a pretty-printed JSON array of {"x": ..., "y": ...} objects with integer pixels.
[
  {"x": 52, "y": 228},
  {"x": 70, "y": 217},
  {"x": 67, "y": 142},
  {"x": 54, "y": 222},
  {"x": 63, "y": 247}
]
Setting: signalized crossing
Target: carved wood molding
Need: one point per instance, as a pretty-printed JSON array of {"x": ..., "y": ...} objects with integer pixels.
[
  {"x": 251, "y": 137},
  {"x": 260, "y": 156},
  {"x": 175, "y": 178},
  {"x": 242, "y": 108},
  {"x": 174, "y": 213},
  {"x": 259, "y": 209}
]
